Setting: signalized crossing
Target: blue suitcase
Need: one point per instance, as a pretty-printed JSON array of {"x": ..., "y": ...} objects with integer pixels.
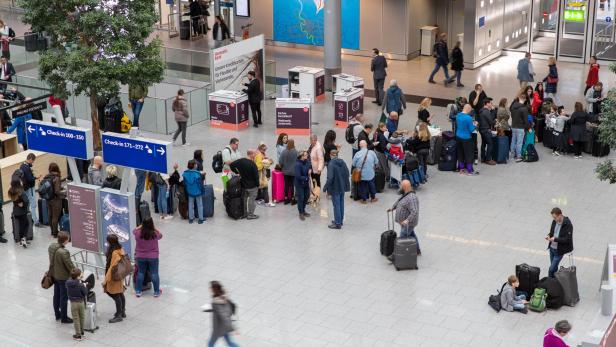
[
  {"x": 500, "y": 149},
  {"x": 43, "y": 211},
  {"x": 208, "y": 201},
  {"x": 64, "y": 223}
]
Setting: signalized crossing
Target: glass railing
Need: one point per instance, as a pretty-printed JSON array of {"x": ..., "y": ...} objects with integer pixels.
[
  {"x": 19, "y": 55},
  {"x": 186, "y": 63},
  {"x": 271, "y": 89}
]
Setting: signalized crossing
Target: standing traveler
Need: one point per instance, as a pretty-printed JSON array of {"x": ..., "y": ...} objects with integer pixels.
[
  {"x": 222, "y": 311},
  {"x": 7, "y": 71},
  {"x": 560, "y": 118},
  {"x": 136, "y": 98},
  {"x": 194, "y": 190},
  {"x": 112, "y": 180},
  {"x": 423, "y": 115},
  {"x": 329, "y": 144},
  {"x": 578, "y": 129},
  {"x": 537, "y": 99},
  {"x": 487, "y": 120},
  {"x": 146, "y": 255},
  {"x": 378, "y": 66},
  {"x": 554, "y": 337},
  {"x": 195, "y": 15},
  {"x": 519, "y": 122},
  {"x": 95, "y": 174},
  {"x": 552, "y": 81},
  {"x": 366, "y": 161},
  {"x": 560, "y": 239},
  {"x": 55, "y": 196},
  {"x": 7, "y": 35},
  {"x": 394, "y": 99},
  {"x": 457, "y": 63},
  {"x": 302, "y": 184},
  {"x": 288, "y": 157},
  {"x": 161, "y": 197},
  {"x": 336, "y": 185},
  {"x": 407, "y": 212},
  {"x": 364, "y": 135},
  {"x": 29, "y": 181},
  {"x": 180, "y": 110},
  {"x": 249, "y": 175},
  {"x": 441, "y": 53},
  {"x": 263, "y": 163},
  {"x": 21, "y": 204},
  {"x": 77, "y": 294},
  {"x": 357, "y": 126},
  {"x": 140, "y": 186},
  {"x": 476, "y": 98},
  {"x": 255, "y": 95},
  {"x": 526, "y": 72},
  {"x": 61, "y": 267},
  {"x": 511, "y": 300},
  {"x": 502, "y": 117},
  {"x": 465, "y": 126},
  {"x": 281, "y": 144},
  {"x": 230, "y": 154},
  {"x": 594, "y": 99},
  {"x": 317, "y": 162},
  {"x": 220, "y": 31},
  {"x": 114, "y": 288},
  {"x": 420, "y": 145},
  {"x": 593, "y": 74}
]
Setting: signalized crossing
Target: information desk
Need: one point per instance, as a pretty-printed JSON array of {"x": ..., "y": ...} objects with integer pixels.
[
  {"x": 40, "y": 167},
  {"x": 293, "y": 116},
  {"x": 343, "y": 81},
  {"x": 347, "y": 104},
  {"x": 9, "y": 145},
  {"x": 307, "y": 83},
  {"x": 228, "y": 109}
]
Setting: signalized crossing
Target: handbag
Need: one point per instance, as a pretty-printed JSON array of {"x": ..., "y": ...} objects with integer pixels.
[
  {"x": 356, "y": 175},
  {"x": 47, "y": 281},
  {"x": 552, "y": 79}
]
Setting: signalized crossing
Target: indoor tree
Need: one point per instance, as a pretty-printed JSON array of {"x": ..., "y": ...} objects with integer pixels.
[
  {"x": 606, "y": 171},
  {"x": 95, "y": 46}
]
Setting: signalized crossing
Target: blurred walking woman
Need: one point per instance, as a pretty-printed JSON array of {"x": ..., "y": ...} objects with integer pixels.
[
  {"x": 20, "y": 211},
  {"x": 551, "y": 81},
  {"x": 113, "y": 288},
  {"x": 222, "y": 311},
  {"x": 146, "y": 255},
  {"x": 180, "y": 110}
]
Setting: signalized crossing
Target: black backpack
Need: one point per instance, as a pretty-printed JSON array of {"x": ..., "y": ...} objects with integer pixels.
[
  {"x": 45, "y": 189},
  {"x": 531, "y": 154},
  {"x": 113, "y": 107},
  {"x": 217, "y": 163},
  {"x": 234, "y": 187},
  {"x": 348, "y": 135},
  {"x": 18, "y": 175},
  {"x": 495, "y": 300}
]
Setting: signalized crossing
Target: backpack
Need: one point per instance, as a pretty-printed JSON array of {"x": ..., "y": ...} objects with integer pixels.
[
  {"x": 122, "y": 269},
  {"x": 45, "y": 189},
  {"x": 114, "y": 106},
  {"x": 234, "y": 187},
  {"x": 18, "y": 175},
  {"x": 217, "y": 163},
  {"x": 125, "y": 124},
  {"x": 531, "y": 154},
  {"x": 537, "y": 301},
  {"x": 349, "y": 135},
  {"x": 495, "y": 300},
  {"x": 452, "y": 112}
]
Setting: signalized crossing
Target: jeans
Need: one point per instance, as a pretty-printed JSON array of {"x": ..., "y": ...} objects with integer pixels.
[
  {"x": 422, "y": 156},
  {"x": 437, "y": 66},
  {"x": 302, "y": 193},
  {"x": 554, "y": 262},
  {"x": 458, "y": 77},
  {"x": 367, "y": 189},
  {"x": 407, "y": 231},
  {"x": 338, "y": 202},
  {"x": 136, "y": 106},
  {"x": 227, "y": 338},
  {"x": 250, "y": 196},
  {"x": 33, "y": 206},
  {"x": 60, "y": 299},
  {"x": 486, "y": 145},
  {"x": 140, "y": 184},
  {"x": 161, "y": 199},
  {"x": 379, "y": 91},
  {"x": 517, "y": 140},
  {"x": 120, "y": 304},
  {"x": 191, "y": 207},
  {"x": 78, "y": 312},
  {"x": 181, "y": 129},
  {"x": 145, "y": 264},
  {"x": 520, "y": 306}
]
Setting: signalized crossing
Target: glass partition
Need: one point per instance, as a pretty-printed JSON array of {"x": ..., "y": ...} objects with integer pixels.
[{"x": 270, "y": 79}]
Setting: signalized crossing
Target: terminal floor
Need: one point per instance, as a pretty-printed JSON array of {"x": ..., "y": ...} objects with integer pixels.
[{"x": 301, "y": 284}]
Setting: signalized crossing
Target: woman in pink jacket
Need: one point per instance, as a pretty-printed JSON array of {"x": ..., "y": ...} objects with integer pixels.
[
  {"x": 554, "y": 337},
  {"x": 317, "y": 161}
]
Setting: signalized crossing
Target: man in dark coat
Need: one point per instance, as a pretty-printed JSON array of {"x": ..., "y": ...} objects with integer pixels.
[
  {"x": 254, "y": 98},
  {"x": 441, "y": 53},
  {"x": 560, "y": 239},
  {"x": 337, "y": 184},
  {"x": 378, "y": 66}
]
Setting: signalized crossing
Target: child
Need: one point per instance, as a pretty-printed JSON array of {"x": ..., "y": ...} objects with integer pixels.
[
  {"x": 510, "y": 300},
  {"x": 77, "y": 293},
  {"x": 560, "y": 140}
]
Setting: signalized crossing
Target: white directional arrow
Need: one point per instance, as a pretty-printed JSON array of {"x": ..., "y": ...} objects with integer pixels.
[
  {"x": 148, "y": 149},
  {"x": 31, "y": 129},
  {"x": 42, "y": 131},
  {"x": 161, "y": 151}
]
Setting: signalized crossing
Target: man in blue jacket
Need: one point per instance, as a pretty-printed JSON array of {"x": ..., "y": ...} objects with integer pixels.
[
  {"x": 441, "y": 53},
  {"x": 337, "y": 184}
]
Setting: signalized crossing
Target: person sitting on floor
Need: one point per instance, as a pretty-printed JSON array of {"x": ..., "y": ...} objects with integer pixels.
[{"x": 512, "y": 301}]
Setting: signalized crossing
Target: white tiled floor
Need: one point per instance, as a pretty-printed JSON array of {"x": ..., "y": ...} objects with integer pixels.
[{"x": 301, "y": 284}]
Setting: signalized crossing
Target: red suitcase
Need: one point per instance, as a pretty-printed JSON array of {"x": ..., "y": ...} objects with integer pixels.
[{"x": 277, "y": 186}]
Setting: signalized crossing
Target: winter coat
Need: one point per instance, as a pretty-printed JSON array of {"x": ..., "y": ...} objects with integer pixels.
[
  {"x": 394, "y": 100},
  {"x": 337, "y": 177},
  {"x": 519, "y": 115},
  {"x": 61, "y": 262},
  {"x": 110, "y": 286},
  {"x": 457, "y": 59},
  {"x": 593, "y": 75},
  {"x": 578, "y": 126},
  {"x": 253, "y": 90},
  {"x": 302, "y": 167},
  {"x": 113, "y": 182},
  {"x": 551, "y": 338},
  {"x": 441, "y": 52},
  {"x": 551, "y": 87},
  {"x": 288, "y": 157},
  {"x": 524, "y": 71},
  {"x": 76, "y": 290},
  {"x": 192, "y": 182},
  {"x": 95, "y": 175},
  {"x": 21, "y": 205},
  {"x": 180, "y": 109},
  {"x": 221, "y": 317}
]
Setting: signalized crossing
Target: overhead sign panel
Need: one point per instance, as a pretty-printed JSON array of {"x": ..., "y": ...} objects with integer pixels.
[
  {"x": 64, "y": 140},
  {"x": 138, "y": 153}
]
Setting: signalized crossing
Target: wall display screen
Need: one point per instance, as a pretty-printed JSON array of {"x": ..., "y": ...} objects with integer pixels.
[
  {"x": 302, "y": 22},
  {"x": 242, "y": 8}
]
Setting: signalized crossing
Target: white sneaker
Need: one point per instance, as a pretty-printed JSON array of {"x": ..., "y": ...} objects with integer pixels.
[
  {"x": 476, "y": 162},
  {"x": 186, "y": 144},
  {"x": 23, "y": 243},
  {"x": 271, "y": 204},
  {"x": 556, "y": 153},
  {"x": 168, "y": 217}
]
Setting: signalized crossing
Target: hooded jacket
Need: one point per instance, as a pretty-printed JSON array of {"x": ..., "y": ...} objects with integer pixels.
[
  {"x": 76, "y": 290},
  {"x": 519, "y": 115},
  {"x": 192, "y": 182},
  {"x": 553, "y": 339},
  {"x": 337, "y": 177}
]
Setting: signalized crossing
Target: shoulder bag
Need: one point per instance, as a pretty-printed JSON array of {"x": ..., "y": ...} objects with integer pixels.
[
  {"x": 356, "y": 175},
  {"x": 47, "y": 281}
]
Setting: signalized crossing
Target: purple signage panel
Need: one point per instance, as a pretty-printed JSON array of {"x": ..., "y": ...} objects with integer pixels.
[
  {"x": 341, "y": 112},
  {"x": 356, "y": 106},
  {"x": 293, "y": 121},
  {"x": 223, "y": 112},
  {"x": 82, "y": 201},
  {"x": 242, "y": 111},
  {"x": 319, "y": 93}
]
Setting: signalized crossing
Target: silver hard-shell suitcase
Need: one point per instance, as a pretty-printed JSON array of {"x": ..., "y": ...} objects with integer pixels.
[
  {"x": 405, "y": 254},
  {"x": 567, "y": 277},
  {"x": 90, "y": 324}
]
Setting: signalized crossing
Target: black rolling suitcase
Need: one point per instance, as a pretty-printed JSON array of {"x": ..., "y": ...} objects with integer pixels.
[
  {"x": 388, "y": 238},
  {"x": 540, "y": 129},
  {"x": 548, "y": 138},
  {"x": 233, "y": 198},
  {"x": 591, "y": 135},
  {"x": 379, "y": 180},
  {"x": 30, "y": 41},
  {"x": 528, "y": 277},
  {"x": 185, "y": 30}
]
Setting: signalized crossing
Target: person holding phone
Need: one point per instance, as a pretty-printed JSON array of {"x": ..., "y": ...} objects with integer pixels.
[{"x": 560, "y": 239}]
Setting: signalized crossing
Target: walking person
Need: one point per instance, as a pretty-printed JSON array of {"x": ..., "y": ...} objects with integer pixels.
[
  {"x": 249, "y": 175},
  {"x": 287, "y": 160},
  {"x": 29, "y": 181},
  {"x": 180, "y": 111},
  {"x": 61, "y": 267},
  {"x": 457, "y": 64},
  {"x": 578, "y": 120},
  {"x": 336, "y": 185},
  {"x": 136, "y": 97},
  {"x": 317, "y": 162},
  {"x": 255, "y": 95},
  {"x": 77, "y": 294},
  {"x": 378, "y": 67},
  {"x": 366, "y": 161},
  {"x": 114, "y": 288},
  {"x": 526, "y": 72},
  {"x": 519, "y": 123},
  {"x": 394, "y": 100},
  {"x": 222, "y": 310},
  {"x": 441, "y": 53},
  {"x": 302, "y": 184},
  {"x": 560, "y": 239},
  {"x": 146, "y": 255},
  {"x": 407, "y": 212},
  {"x": 194, "y": 190},
  {"x": 593, "y": 74},
  {"x": 220, "y": 31},
  {"x": 551, "y": 81},
  {"x": 21, "y": 205}
]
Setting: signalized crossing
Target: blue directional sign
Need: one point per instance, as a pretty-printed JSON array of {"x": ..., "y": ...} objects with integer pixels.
[
  {"x": 64, "y": 140},
  {"x": 138, "y": 153}
]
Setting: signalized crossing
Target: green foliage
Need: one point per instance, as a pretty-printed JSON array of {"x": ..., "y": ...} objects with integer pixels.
[{"x": 607, "y": 133}]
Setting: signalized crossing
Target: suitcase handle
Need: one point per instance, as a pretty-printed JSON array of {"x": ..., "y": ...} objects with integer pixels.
[{"x": 391, "y": 223}]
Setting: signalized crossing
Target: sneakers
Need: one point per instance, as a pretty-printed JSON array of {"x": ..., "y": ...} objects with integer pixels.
[
  {"x": 260, "y": 202},
  {"x": 252, "y": 216},
  {"x": 167, "y": 217},
  {"x": 519, "y": 160},
  {"x": 374, "y": 200},
  {"x": 473, "y": 173},
  {"x": 138, "y": 294},
  {"x": 67, "y": 321},
  {"x": 77, "y": 337},
  {"x": 334, "y": 226},
  {"x": 476, "y": 162},
  {"x": 23, "y": 243},
  {"x": 186, "y": 144},
  {"x": 491, "y": 162},
  {"x": 200, "y": 221},
  {"x": 160, "y": 292},
  {"x": 116, "y": 319},
  {"x": 271, "y": 204},
  {"x": 556, "y": 153},
  {"x": 190, "y": 221},
  {"x": 431, "y": 81}
]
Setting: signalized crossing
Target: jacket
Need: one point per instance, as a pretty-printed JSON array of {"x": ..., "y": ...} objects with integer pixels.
[
  {"x": 441, "y": 52},
  {"x": 288, "y": 157},
  {"x": 110, "y": 286},
  {"x": 416, "y": 144},
  {"x": 58, "y": 193},
  {"x": 8, "y": 71},
  {"x": 95, "y": 175},
  {"x": 60, "y": 260},
  {"x": 76, "y": 290},
  {"x": 221, "y": 317},
  {"x": 525, "y": 71},
  {"x": 457, "y": 59},
  {"x": 407, "y": 209},
  {"x": 247, "y": 169},
  {"x": 137, "y": 92},
  {"x": 180, "y": 109},
  {"x": 519, "y": 115},
  {"x": 578, "y": 126},
  {"x": 301, "y": 173},
  {"x": 19, "y": 124},
  {"x": 502, "y": 118},
  {"x": 486, "y": 119},
  {"x": 147, "y": 249},
  {"x": 225, "y": 31},
  {"x": 20, "y": 206},
  {"x": 253, "y": 91},
  {"x": 551, "y": 338},
  {"x": 536, "y": 103},
  {"x": 508, "y": 298},
  {"x": 551, "y": 87},
  {"x": 565, "y": 237},
  {"x": 337, "y": 177},
  {"x": 367, "y": 171},
  {"x": 192, "y": 183},
  {"x": 113, "y": 182},
  {"x": 394, "y": 100},
  {"x": 29, "y": 181},
  {"x": 363, "y": 136},
  {"x": 279, "y": 149},
  {"x": 378, "y": 66},
  {"x": 229, "y": 155},
  {"x": 593, "y": 75},
  {"x": 591, "y": 99},
  {"x": 317, "y": 161},
  {"x": 479, "y": 105}
]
